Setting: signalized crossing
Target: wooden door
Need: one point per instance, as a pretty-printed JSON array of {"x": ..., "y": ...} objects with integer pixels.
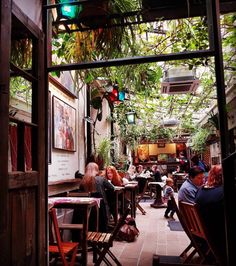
[{"x": 22, "y": 141}]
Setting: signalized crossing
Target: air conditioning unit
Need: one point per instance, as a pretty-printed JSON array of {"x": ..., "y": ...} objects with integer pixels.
[{"x": 179, "y": 81}]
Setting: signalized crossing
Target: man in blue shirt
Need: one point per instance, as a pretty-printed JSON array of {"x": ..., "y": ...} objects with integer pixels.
[{"x": 190, "y": 187}]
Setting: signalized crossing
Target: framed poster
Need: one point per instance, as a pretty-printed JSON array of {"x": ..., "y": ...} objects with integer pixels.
[
  {"x": 143, "y": 152},
  {"x": 64, "y": 125}
]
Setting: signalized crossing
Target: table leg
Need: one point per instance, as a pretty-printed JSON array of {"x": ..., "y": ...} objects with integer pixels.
[
  {"x": 158, "y": 202},
  {"x": 84, "y": 243}
]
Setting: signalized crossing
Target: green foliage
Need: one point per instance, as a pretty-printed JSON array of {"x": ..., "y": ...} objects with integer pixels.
[
  {"x": 103, "y": 151},
  {"x": 198, "y": 140},
  {"x": 21, "y": 88}
]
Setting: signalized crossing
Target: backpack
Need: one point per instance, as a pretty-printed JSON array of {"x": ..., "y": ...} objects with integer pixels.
[{"x": 129, "y": 231}]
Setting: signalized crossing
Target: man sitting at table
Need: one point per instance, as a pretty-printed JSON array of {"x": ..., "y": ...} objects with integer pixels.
[{"x": 190, "y": 187}]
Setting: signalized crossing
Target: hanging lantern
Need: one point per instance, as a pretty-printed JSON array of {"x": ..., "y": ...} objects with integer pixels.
[
  {"x": 68, "y": 11},
  {"x": 130, "y": 116},
  {"x": 114, "y": 94}
]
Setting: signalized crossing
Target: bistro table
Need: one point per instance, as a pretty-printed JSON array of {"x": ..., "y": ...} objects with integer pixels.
[
  {"x": 132, "y": 188},
  {"x": 84, "y": 204},
  {"x": 158, "y": 202}
]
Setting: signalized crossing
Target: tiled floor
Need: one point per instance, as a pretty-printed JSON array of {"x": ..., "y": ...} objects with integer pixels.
[{"x": 155, "y": 238}]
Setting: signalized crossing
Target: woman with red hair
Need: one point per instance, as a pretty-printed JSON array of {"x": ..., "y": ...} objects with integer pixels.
[
  {"x": 210, "y": 199},
  {"x": 112, "y": 175}
]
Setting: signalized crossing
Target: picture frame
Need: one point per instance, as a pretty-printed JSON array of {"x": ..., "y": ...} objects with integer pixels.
[{"x": 64, "y": 125}]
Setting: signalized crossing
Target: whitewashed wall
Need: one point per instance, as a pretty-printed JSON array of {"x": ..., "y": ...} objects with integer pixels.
[
  {"x": 63, "y": 163},
  {"x": 33, "y": 9}
]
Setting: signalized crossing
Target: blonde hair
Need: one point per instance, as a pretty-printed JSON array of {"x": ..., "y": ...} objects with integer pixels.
[{"x": 88, "y": 182}]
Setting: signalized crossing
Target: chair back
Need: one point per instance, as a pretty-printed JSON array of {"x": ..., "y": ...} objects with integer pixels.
[
  {"x": 119, "y": 224},
  {"x": 198, "y": 230},
  {"x": 193, "y": 219},
  {"x": 180, "y": 216},
  {"x": 55, "y": 236}
]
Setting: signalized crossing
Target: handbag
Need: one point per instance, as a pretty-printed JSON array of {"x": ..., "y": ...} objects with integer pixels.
[{"x": 129, "y": 231}]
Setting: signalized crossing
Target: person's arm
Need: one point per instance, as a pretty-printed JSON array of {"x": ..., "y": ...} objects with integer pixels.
[{"x": 108, "y": 185}]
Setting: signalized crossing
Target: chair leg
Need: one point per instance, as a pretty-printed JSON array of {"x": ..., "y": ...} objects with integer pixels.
[
  {"x": 114, "y": 258},
  {"x": 73, "y": 257},
  {"x": 101, "y": 257},
  {"x": 141, "y": 209}
]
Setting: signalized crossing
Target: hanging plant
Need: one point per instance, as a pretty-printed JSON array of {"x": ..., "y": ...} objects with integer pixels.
[{"x": 199, "y": 139}]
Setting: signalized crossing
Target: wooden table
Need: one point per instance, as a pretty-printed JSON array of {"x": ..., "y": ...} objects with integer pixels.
[
  {"x": 132, "y": 188},
  {"x": 84, "y": 204},
  {"x": 118, "y": 191},
  {"x": 158, "y": 202}
]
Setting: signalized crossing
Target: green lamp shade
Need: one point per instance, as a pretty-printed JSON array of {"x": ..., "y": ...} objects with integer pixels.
[
  {"x": 69, "y": 11},
  {"x": 131, "y": 117}
]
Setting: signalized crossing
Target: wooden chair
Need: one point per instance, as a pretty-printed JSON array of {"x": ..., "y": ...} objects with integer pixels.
[
  {"x": 69, "y": 226},
  {"x": 198, "y": 231},
  {"x": 58, "y": 248},
  {"x": 185, "y": 257},
  {"x": 142, "y": 184},
  {"x": 102, "y": 242}
]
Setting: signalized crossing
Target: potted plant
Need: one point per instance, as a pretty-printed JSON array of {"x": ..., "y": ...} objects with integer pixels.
[{"x": 102, "y": 154}]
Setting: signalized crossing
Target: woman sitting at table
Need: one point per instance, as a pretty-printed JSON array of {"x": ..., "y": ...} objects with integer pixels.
[
  {"x": 112, "y": 175},
  {"x": 96, "y": 185},
  {"x": 131, "y": 173}
]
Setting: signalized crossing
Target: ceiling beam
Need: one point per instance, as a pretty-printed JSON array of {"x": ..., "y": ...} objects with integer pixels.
[{"x": 132, "y": 60}]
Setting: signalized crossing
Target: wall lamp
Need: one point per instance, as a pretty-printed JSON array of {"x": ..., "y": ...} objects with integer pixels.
[{"x": 130, "y": 116}]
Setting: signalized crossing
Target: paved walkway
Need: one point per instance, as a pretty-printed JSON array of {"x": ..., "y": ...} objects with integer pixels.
[{"x": 155, "y": 238}]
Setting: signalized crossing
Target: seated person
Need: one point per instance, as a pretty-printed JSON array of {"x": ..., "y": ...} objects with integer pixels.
[
  {"x": 156, "y": 173},
  {"x": 96, "y": 185},
  {"x": 112, "y": 176},
  {"x": 140, "y": 170},
  {"x": 131, "y": 173},
  {"x": 210, "y": 199},
  {"x": 190, "y": 187},
  {"x": 164, "y": 176}
]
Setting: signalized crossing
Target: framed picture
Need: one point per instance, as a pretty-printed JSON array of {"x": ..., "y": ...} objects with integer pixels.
[
  {"x": 143, "y": 152},
  {"x": 64, "y": 125},
  {"x": 161, "y": 145}
]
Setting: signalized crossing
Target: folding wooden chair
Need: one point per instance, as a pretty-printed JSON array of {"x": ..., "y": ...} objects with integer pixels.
[
  {"x": 102, "y": 242},
  {"x": 185, "y": 257},
  {"x": 198, "y": 231},
  {"x": 58, "y": 248},
  {"x": 69, "y": 226},
  {"x": 142, "y": 184}
]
